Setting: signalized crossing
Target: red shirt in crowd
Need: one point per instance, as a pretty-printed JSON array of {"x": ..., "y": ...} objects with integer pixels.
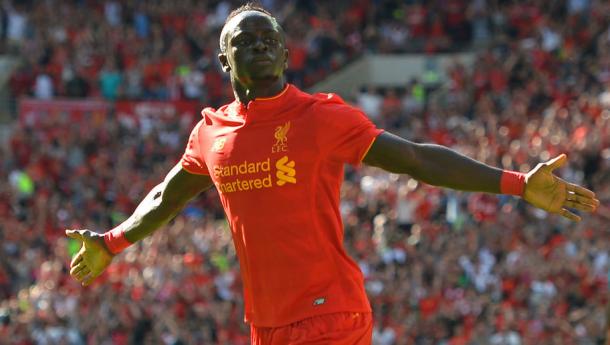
[{"x": 277, "y": 164}]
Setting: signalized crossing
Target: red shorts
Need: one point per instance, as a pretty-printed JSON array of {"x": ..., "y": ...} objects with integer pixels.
[{"x": 336, "y": 329}]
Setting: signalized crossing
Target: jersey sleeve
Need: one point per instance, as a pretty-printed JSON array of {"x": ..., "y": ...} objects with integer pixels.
[
  {"x": 192, "y": 160},
  {"x": 347, "y": 134}
]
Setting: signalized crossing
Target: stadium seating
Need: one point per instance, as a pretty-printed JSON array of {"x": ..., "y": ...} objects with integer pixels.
[{"x": 441, "y": 267}]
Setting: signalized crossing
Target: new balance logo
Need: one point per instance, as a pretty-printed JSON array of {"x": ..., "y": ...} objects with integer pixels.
[
  {"x": 219, "y": 144},
  {"x": 285, "y": 171}
]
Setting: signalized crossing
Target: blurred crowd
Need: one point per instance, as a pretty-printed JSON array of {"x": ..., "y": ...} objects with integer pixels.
[
  {"x": 165, "y": 49},
  {"x": 441, "y": 267}
]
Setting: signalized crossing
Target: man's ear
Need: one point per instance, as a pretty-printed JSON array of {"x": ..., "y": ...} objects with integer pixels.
[{"x": 224, "y": 62}]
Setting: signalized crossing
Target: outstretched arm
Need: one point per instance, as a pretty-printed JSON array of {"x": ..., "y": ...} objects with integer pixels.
[
  {"x": 161, "y": 204},
  {"x": 440, "y": 166},
  {"x": 432, "y": 164}
]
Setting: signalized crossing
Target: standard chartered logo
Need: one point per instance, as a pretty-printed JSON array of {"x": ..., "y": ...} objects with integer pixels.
[
  {"x": 285, "y": 171},
  {"x": 248, "y": 175}
]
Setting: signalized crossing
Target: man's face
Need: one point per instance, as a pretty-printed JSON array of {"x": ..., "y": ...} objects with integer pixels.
[{"x": 255, "y": 48}]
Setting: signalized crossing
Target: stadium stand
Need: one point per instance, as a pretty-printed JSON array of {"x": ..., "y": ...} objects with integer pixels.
[{"x": 441, "y": 267}]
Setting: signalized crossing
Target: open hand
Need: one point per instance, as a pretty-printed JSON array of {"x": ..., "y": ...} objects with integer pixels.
[
  {"x": 92, "y": 258},
  {"x": 553, "y": 194}
]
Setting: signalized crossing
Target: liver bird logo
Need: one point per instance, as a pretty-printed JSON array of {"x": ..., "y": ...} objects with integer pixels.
[
  {"x": 281, "y": 133},
  {"x": 281, "y": 138}
]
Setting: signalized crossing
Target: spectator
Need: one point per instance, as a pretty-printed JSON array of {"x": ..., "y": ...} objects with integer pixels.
[
  {"x": 192, "y": 81},
  {"x": 370, "y": 102},
  {"x": 77, "y": 86},
  {"x": 43, "y": 86},
  {"x": 16, "y": 22},
  {"x": 110, "y": 80}
]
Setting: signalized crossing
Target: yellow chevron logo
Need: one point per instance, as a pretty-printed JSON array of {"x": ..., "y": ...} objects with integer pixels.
[{"x": 285, "y": 171}]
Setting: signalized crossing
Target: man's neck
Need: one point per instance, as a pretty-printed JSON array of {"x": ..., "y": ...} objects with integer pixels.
[{"x": 246, "y": 93}]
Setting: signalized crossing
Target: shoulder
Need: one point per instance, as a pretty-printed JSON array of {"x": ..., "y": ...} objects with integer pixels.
[
  {"x": 316, "y": 99},
  {"x": 205, "y": 119},
  {"x": 328, "y": 99},
  {"x": 331, "y": 104},
  {"x": 223, "y": 116},
  {"x": 208, "y": 114},
  {"x": 322, "y": 103}
]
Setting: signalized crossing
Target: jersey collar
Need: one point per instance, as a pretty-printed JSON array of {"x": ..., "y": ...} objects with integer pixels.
[{"x": 265, "y": 108}]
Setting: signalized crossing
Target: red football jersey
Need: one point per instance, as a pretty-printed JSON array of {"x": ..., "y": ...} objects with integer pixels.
[{"x": 278, "y": 166}]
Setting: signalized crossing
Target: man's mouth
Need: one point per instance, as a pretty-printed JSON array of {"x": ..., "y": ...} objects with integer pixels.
[{"x": 262, "y": 60}]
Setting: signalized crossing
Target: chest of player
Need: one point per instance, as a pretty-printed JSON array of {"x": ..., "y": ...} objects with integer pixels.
[{"x": 260, "y": 157}]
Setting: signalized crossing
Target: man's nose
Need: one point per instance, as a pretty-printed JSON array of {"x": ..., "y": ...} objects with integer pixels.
[{"x": 260, "y": 44}]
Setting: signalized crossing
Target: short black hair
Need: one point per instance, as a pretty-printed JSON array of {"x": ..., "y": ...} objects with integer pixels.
[{"x": 249, "y": 6}]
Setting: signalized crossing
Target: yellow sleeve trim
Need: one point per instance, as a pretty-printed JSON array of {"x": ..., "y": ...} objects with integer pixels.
[{"x": 369, "y": 147}]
